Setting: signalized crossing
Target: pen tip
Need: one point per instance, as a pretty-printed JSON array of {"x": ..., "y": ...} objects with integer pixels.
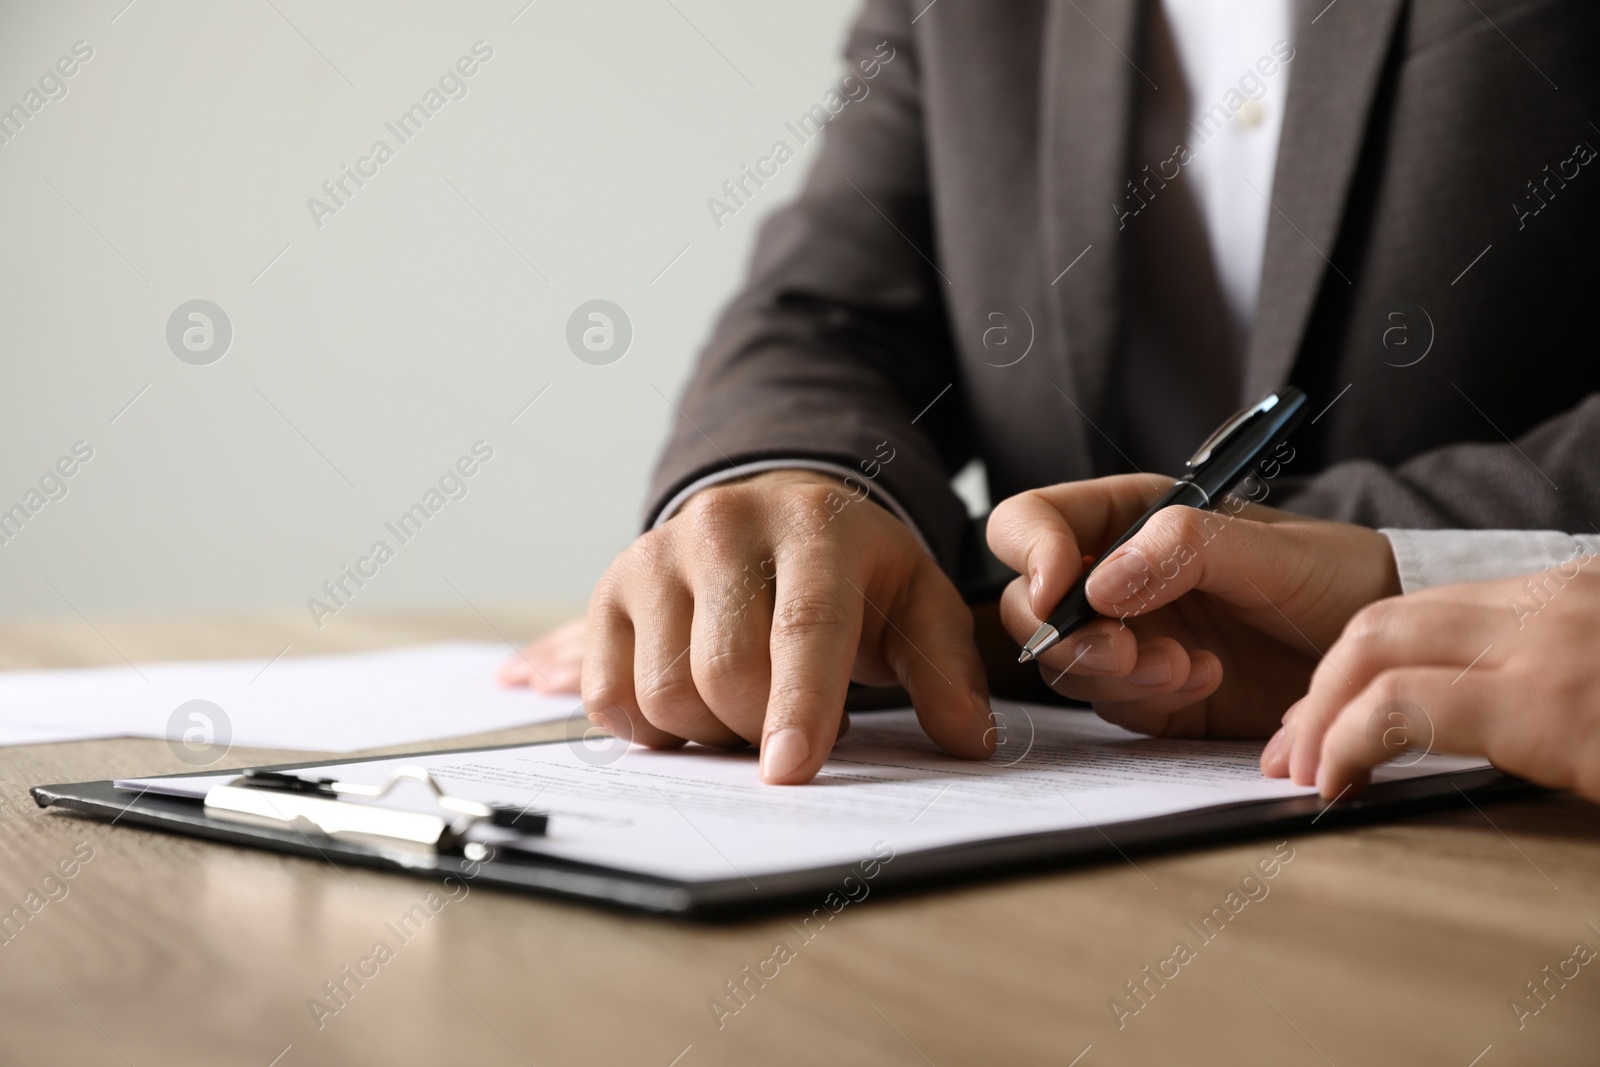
[{"x": 1027, "y": 655}]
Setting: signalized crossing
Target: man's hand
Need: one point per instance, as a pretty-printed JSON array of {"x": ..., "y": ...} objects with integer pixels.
[
  {"x": 744, "y": 618},
  {"x": 1501, "y": 669},
  {"x": 1215, "y": 620}
]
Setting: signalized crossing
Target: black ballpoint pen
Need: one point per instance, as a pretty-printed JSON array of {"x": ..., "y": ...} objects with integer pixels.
[{"x": 1219, "y": 464}]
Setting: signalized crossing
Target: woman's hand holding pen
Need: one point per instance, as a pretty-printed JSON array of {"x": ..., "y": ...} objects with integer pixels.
[{"x": 1215, "y": 620}]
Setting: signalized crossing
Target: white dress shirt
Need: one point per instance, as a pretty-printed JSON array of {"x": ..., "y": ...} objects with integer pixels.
[{"x": 1225, "y": 49}]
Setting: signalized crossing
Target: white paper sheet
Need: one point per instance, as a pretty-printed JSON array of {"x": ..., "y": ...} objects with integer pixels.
[
  {"x": 322, "y": 703},
  {"x": 701, "y": 814}
]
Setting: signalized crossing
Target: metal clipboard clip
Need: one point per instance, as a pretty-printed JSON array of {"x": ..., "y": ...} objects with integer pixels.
[{"x": 318, "y": 805}]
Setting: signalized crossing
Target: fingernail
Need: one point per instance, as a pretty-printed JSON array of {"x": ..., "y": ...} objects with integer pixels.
[
  {"x": 1117, "y": 579},
  {"x": 601, "y": 721},
  {"x": 1034, "y": 585},
  {"x": 1151, "y": 670},
  {"x": 783, "y": 753},
  {"x": 1199, "y": 674}
]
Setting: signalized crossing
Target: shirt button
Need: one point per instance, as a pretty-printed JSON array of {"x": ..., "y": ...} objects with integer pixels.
[{"x": 1250, "y": 115}]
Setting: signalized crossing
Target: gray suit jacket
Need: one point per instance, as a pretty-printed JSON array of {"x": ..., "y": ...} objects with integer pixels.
[{"x": 1427, "y": 169}]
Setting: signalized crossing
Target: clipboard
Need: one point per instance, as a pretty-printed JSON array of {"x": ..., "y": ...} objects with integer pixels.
[{"x": 718, "y": 898}]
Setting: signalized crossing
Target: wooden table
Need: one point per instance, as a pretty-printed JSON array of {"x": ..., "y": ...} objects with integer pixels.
[{"x": 1403, "y": 943}]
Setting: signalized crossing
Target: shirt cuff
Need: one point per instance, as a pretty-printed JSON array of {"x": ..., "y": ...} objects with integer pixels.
[
  {"x": 1428, "y": 558},
  {"x": 745, "y": 470}
]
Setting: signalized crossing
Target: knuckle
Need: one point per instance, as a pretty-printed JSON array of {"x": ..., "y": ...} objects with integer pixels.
[
  {"x": 802, "y": 700},
  {"x": 673, "y": 721},
  {"x": 1016, "y": 521},
  {"x": 739, "y": 694},
  {"x": 662, "y": 687},
  {"x": 717, "y": 528},
  {"x": 601, "y": 693},
  {"x": 1369, "y": 628},
  {"x": 729, "y": 671},
  {"x": 810, "y": 611},
  {"x": 607, "y": 598},
  {"x": 1326, "y": 676},
  {"x": 1179, "y": 526},
  {"x": 650, "y": 552},
  {"x": 677, "y": 719},
  {"x": 1387, "y": 687},
  {"x": 1008, "y": 513},
  {"x": 670, "y": 703},
  {"x": 717, "y": 509},
  {"x": 801, "y": 506},
  {"x": 812, "y": 494},
  {"x": 999, "y": 520}
]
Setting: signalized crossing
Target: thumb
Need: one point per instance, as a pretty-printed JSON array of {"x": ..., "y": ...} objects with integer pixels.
[
  {"x": 1045, "y": 533},
  {"x": 928, "y": 643},
  {"x": 1182, "y": 549}
]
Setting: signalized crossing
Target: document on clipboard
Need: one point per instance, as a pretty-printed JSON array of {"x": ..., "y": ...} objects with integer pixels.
[{"x": 694, "y": 830}]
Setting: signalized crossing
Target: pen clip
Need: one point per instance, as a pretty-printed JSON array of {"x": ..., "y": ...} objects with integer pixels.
[{"x": 1228, "y": 429}]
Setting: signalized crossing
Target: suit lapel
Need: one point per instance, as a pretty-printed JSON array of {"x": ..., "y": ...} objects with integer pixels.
[
  {"x": 1332, "y": 84},
  {"x": 1086, "y": 118}
]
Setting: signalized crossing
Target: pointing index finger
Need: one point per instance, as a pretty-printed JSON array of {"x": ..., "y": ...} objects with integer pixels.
[{"x": 816, "y": 627}]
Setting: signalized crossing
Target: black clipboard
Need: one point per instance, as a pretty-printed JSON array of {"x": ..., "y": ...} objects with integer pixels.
[{"x": 727, "y": 897}]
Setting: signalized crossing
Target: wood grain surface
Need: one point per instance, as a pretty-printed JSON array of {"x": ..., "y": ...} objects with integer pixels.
[{"x": 1405, "y": 943}]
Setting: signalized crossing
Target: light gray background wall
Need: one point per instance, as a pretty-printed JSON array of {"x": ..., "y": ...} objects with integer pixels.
[{"x": 370, "y": 353}]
